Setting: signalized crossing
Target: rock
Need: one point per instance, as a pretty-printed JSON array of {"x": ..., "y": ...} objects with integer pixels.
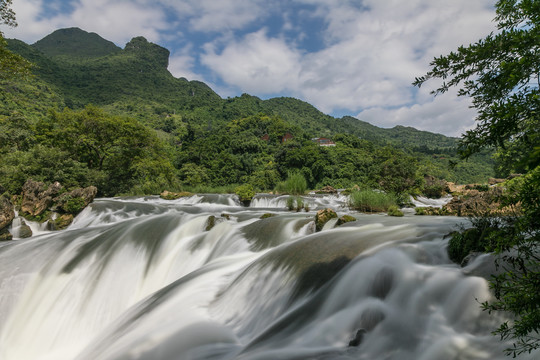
[
  {"x": 395, "y": 211},
  {"x": 357, "y": 340},
  {"x": 345, "y": 219},
  {"x": 212, "y": 221},
  {"x": 323, "y": 216},
  {"x": 475, "y": 203},
  {"x": 327, "y": 190},
  {"x": 435, "y": 188},
  {"x": 266, "y": 216},
  {"x": 5, "y": 235},
  {"x": 7, "y": 213},
  {"x": 25, "y": 231},
  {"x": 494, "y": 181},
  {"x": 36, "y": 198},
  {"x": 168, "y": 195},
  {"x": 60, "y": 223},
  {"x": 76, "y": 200}
]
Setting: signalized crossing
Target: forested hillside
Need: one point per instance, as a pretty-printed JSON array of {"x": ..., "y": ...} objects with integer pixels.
[{"x": 116, "y": 118}]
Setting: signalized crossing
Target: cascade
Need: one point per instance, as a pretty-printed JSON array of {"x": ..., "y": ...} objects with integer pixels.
[{"x": 204, "y": 278}]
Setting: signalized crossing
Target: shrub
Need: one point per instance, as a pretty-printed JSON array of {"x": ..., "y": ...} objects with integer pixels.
[
  {"x": 245, "y": 192},
  {"x": 296, "y": 184},
  {"x": 371, "y": 201}
]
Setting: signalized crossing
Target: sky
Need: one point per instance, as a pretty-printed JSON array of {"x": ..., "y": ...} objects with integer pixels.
[{"x": 345, "y": 57}]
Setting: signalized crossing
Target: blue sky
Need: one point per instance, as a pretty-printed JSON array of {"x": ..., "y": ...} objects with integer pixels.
[{"x": 346, "y": 57}]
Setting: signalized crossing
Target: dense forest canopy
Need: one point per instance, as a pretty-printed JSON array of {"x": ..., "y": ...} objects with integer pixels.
[{"x": 118, "y": 119}]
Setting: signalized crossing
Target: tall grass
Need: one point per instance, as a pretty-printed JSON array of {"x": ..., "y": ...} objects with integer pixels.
[
  {"x": 371, "y": 201},
  {"x": 295, "y": 184}
]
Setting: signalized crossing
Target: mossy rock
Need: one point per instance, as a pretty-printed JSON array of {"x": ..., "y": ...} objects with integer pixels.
[
  {"x": 25, "y": 231},
  {"x": 41, "y": 218},
  {"x": 167, "y": 195},
  {"x": 395, "y": 211},
  {"x": 266, "y": 216},
  {"x": 322, "y": 217},
  {"x": 60, "y": 222},
  {"x": 345, "y": 219},
  {"x": 5, "y": 235}
]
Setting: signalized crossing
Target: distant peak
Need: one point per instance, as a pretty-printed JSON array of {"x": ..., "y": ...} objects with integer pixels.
[
  {"x": 75, "y": 43},
  {"x": 148, "y": 51}
]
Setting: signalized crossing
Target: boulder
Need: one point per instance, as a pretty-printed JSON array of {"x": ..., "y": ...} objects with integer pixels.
[
  {"x": 327, "y": 190},
  {"x": 168, "y": 195},
  {"x": 7, "y": 213},
  {"x": 75, "y": 201},
  {"x": 60, "y": 223},
  {"x": 345, "y": 219},
  {"x": 323, "y": 216},
  {"x": 5, "y": 235},
  {"x": 25, "y": 231},
  {"x": 37, "y": 198}
]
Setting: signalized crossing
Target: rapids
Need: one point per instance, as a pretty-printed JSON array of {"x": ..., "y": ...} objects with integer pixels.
[{"x": 145, "y": 278}]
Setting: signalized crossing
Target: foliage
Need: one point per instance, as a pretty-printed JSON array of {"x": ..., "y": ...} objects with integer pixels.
[
  {"x": 245, "y": 192},
  {"x": 11, "y": 65},
  {"x": 500, "y": 73},
  {"x": 295, "y": 184},
  {"x": 73, "y": 205},
  {"x": 371, "y": 201},
  {"x": 475, "y": 239}
]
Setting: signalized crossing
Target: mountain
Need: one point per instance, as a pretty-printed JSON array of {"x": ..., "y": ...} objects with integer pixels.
[
  {"x": 74, "y": 68},
  {"x": 74, "y": 43}
]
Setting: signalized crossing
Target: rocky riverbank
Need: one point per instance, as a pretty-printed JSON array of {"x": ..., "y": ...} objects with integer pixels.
[{"x": 51, "y": 204}]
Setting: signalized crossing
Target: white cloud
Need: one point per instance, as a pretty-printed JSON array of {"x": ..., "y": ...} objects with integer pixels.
[
  {"x": 215, "y": 16},
  {"x": 372, "y": 49},
  {"x": 116, "y": 20},
  {"x": 257, "y": 64},
  {"x": 447, "y": 115}
]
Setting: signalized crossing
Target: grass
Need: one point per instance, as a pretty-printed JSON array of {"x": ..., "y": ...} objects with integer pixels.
[
  {"x": 295, "y": 184},
  {"x": 371, "y": 201}
]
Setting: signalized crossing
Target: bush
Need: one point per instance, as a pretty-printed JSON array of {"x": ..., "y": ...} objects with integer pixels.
[
  {"x": 371, "y": 201},
  {"x": 475, "y": 239},
  {"x": 245, "y": 192},
  {"x": 296, "y": 184}
]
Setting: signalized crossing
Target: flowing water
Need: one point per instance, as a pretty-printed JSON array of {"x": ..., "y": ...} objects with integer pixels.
[{"x": 145, "y": 278}]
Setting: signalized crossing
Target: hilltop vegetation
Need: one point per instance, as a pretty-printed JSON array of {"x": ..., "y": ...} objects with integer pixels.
[{"x": 117, "y": 118}]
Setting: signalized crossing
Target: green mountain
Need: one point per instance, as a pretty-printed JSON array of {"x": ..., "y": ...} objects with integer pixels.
[
  {"x": 75, "y": 44},
  {"x": 206, "y": 138}
]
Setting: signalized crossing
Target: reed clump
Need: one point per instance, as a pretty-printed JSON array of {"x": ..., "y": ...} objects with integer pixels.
[{"x": 371, "y": 201}]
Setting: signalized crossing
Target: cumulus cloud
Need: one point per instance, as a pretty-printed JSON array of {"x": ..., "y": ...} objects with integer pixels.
[
  {"x": 115, "y": 20},
  {"x": 447, "y": 115},
  {"x": 366, "y": 54},
  {"x": 256, "y": 64}
]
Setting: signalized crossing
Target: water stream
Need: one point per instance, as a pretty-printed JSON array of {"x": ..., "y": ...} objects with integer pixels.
[{"x": 145, "y": 278}]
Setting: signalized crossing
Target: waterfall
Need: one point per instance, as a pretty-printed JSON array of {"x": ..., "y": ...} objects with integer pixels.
[{"x": 205, "y": 278}]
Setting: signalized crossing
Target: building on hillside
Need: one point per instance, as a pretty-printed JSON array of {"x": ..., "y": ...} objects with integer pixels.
[
  {"x": 323, "y": 141},
  {"x": 286, "y": 137}
]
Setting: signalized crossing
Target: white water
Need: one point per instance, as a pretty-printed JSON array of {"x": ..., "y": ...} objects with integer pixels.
[{"x": 142, "y": 278}]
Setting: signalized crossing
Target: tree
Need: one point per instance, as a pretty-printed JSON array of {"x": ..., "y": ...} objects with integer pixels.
[
  {"x": 501, "y": 73},
  {"x": 11, "y": 65}
]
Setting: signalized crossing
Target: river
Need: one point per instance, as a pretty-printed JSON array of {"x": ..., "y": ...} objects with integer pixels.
[{"x": 206, "y": 278}]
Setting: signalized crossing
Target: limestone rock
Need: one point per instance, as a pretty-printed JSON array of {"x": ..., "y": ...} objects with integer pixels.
[
  {"x": 7, "y": 214},
  {"x": 327, "y": 190},
  {"x": 323, "y": 216},
  {"x": 61, "y": 222},
  {"x": 168, "y": 195},
  {"x": 75, "y": 201},
  {"x": 37, "y": 198},
  {"x": 5, "y": 235}
]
